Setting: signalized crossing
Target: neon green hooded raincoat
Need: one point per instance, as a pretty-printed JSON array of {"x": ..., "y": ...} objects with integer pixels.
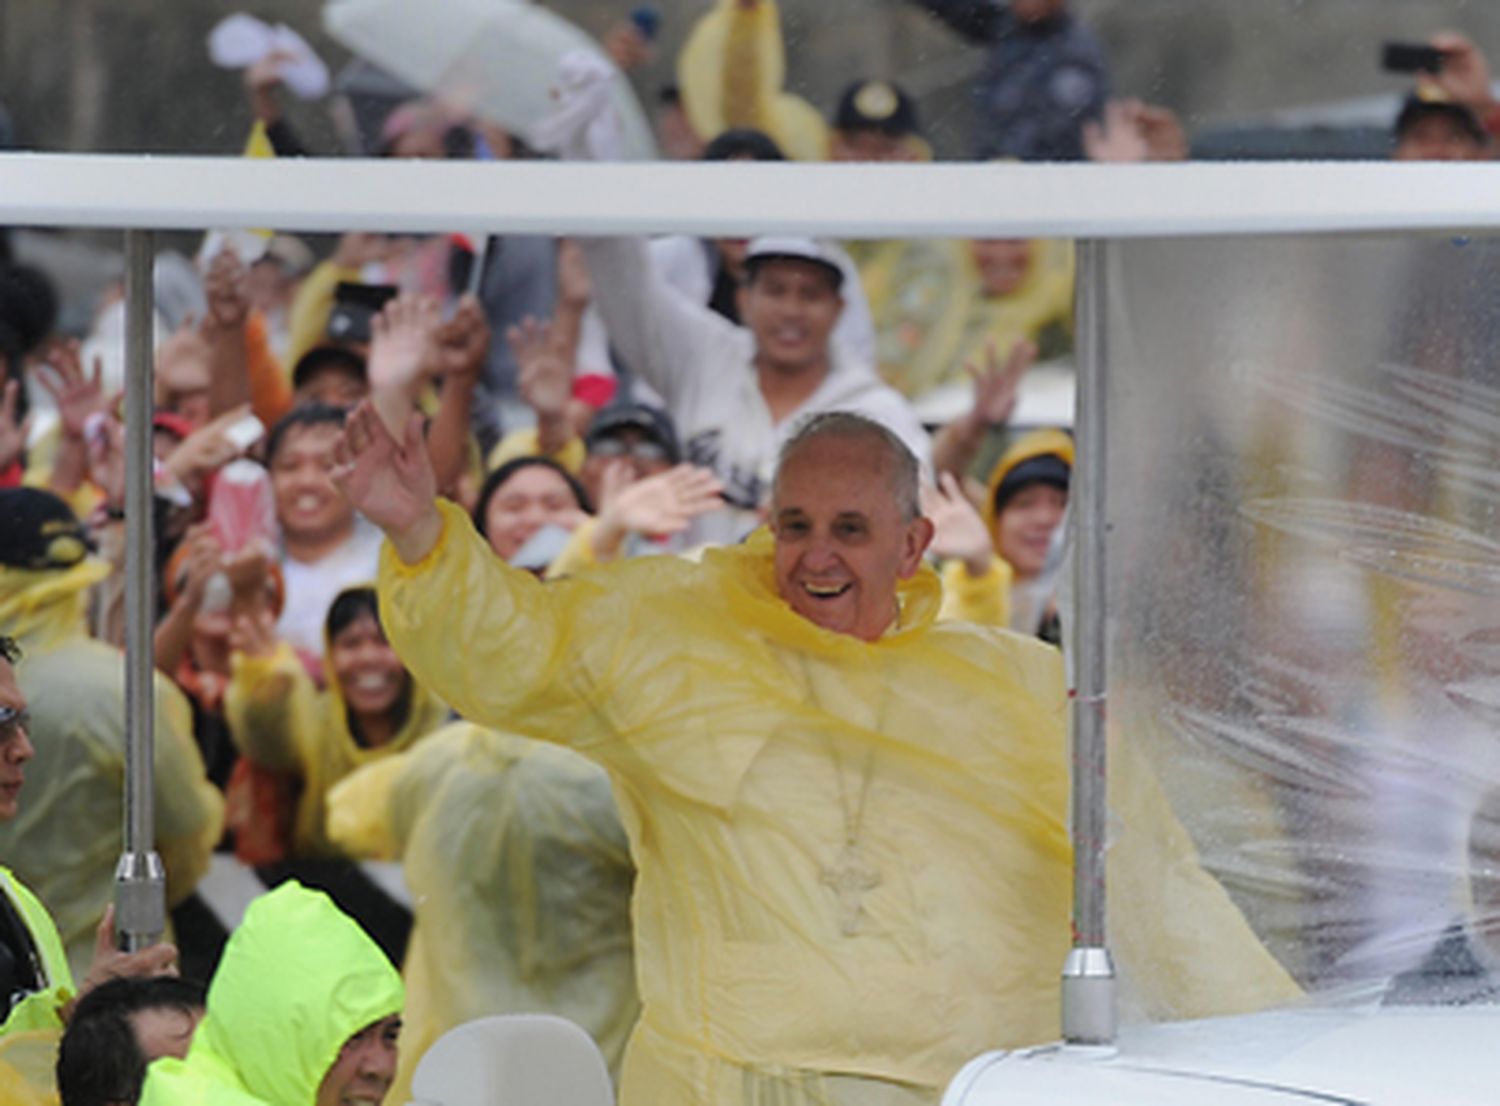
[
  {"x": 41, "y": 1009},
  {"x": 521, "y": 875},
  {"x": 298, "y": 978},
  {"x": 853, "y": 870}
]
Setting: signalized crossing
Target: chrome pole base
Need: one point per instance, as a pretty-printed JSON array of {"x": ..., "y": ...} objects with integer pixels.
[{"x": 1088, "y": 997}]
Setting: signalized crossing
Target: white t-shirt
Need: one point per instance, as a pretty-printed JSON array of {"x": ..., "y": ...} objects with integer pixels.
[
  {"x": 702, "y": 366},
  {"x": 312, "y": 588}
]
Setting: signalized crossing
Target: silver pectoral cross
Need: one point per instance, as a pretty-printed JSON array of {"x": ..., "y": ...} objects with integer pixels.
[{"x": 849, "y": 878}]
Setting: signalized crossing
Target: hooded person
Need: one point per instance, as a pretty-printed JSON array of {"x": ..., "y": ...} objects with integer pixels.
[
  {"x": 302, "y": 1011},
  {"x": 848, "y": 820},
  {"x": 36, "y": 983},
  {"x": 520, "y": 873},
  {"x": 37, "y": 991},
  {"x": 280, "y": 720},
  {"x": 1025, "y": 502},
  {"x": 67, "y": 837}
]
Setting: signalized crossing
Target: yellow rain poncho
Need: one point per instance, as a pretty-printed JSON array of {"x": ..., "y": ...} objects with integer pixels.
[
  {"x": 932, "y": 316},
  {"x": 67, "y": 838},
  {"x": 982, "y": 599},
  {"x": 732, "y": 71},
  {"x": 280, "y": 720},
  {"x": 521, "y": 876},
  {"x": 28, "y": 1067},
  {"x": 298, "y": 978},
  {"x": 852, "y": 864}
]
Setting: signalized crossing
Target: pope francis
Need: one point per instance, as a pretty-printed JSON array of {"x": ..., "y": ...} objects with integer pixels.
[{"x": 848, "y": 819}]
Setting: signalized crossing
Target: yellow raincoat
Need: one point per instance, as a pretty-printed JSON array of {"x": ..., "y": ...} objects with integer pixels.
[
  {"x": 28, "y": 1067},
  {"x": 521, "y": 875},
  {"x": 298, "y": 978},
  {"x": 67, "y": 838},
  {"x": 852, "y": 865},
  {"x": 982, "y": 599},
  {"x": 732, "y": 71},
  {"x": 932, "y": 316},
  {"x": 279, "y": 719}
]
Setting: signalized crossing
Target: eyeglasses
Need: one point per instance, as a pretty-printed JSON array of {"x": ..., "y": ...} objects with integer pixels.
[
  {"x": 644, "y": 450},
  {"x": 12, "y": 723}
]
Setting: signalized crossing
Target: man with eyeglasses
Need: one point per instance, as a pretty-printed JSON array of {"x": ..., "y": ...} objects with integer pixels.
[
  {"x": 633, "y": 432},
  {"x": 36, "y": 985}
]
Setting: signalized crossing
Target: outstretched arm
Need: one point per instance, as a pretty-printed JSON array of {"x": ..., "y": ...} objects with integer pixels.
[
  {"x": 996, "y": 389},
  {"x": 456, "y": 613}
]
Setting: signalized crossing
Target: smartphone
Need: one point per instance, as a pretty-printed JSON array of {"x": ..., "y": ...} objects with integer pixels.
[
  {"x": 245, "y": 432},
  {"x": 355, "y": 307},
  {"x": 1410, "y": 57}
]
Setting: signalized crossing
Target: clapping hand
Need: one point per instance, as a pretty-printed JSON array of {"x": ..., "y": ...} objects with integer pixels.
[
  {"x": 78, "y": 397},
  {"x": 226, "y": 287},
  {"x": 390, "y": 482},
  {"x": 658, "y": 505},
  {"x": 401, "y": 337},
  {"x": 997, "y": 385},
  {"x": 459, "y": 346},
  {"x": 960, "y": 532},
  {"x": 546, "y": 377}
]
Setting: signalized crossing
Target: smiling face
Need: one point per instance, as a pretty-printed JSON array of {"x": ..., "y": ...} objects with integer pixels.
[
  {"x": 15, "y": 742},
  {"x": 1002, "y": 263},
  {"x": 842, "y": 541},
  {"x": 791, "y": 307},
  {"x": 369, "y": 673},
  {"x": 1024, "y": 528},
  {"x": 535, "y": 496},
  {"x": 308, "y": 506},
  {"x": 365, "y": 1067}
]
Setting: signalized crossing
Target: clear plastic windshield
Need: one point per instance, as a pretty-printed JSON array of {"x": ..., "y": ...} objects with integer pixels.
[{"x": 1304, "y": 472}]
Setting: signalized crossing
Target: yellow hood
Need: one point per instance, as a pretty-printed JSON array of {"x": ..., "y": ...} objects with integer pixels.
[{"x": 1039, "y": 443}]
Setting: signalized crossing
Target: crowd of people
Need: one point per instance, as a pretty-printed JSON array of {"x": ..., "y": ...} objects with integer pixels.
[{"x": 656, "y": 603}]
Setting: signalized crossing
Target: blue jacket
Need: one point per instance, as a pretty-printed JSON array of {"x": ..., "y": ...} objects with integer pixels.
[{"x": 1039, "y": 85}]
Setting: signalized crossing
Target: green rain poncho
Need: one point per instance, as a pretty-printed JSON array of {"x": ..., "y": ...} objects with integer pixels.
[
  {"x": 298, "y": 978},
  {"x": 280, "y": 720},
  {"x": 67, "y": 838},
  {"x": 853, "y": 870},
  {"x": 521, "y": 875},
  {"x": 41, "y": 1009}
]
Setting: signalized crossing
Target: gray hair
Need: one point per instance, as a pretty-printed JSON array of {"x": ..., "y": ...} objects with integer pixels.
[{"x": 905, "y": 471}]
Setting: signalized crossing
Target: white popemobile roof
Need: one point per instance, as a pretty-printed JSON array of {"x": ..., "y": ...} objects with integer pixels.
[{"x": 970, "y": 200}]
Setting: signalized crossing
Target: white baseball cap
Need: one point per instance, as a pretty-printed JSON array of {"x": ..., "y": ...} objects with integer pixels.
[{"x": 795, "y": 249}]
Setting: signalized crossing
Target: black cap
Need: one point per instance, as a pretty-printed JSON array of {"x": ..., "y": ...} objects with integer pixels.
[
  {"x": 1418, "y": 106},
  {"x": 340, "y": 358},
  {"x": 39, "y": 531},
  {"x": 876, "y": 106},
  {"x": 1046, "y": 469},
  {"x": 638, "y": 416}
]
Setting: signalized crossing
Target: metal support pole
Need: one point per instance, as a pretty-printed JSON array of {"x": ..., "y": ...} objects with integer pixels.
[
  {"x": 1088, "y": 983},
  {"x": 140, "y": 880}
]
